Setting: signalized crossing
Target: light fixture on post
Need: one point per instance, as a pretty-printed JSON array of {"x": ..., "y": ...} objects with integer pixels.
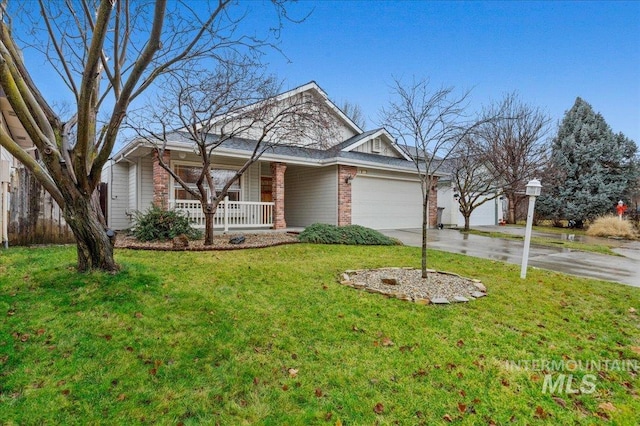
[
  {"x": 533, "y": 190},
  {"x": 348, "y": 179}
]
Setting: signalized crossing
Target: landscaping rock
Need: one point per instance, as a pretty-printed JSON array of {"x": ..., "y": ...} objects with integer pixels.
[
  {"x": 407, "y": 284},
  {"x": 480, "y": 286},
  {"x": 237, "y": 240},
  {"x": 478, "y": 294}
]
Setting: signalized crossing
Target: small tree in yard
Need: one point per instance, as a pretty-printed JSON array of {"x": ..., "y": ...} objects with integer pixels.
[
  {"x": 107, "y": 53},
  {"x": 513, "y": 146},
  {"x": 211, "y": 108},
  {"x": 473, "y": 180},
  {"x": 431, "y": 123},
  {"x": 592, "y": 167}
]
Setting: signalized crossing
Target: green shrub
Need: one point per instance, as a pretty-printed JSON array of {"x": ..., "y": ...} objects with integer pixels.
[
  {"x": 158, "y": 224},
  {"x": 320, "y": 233}
]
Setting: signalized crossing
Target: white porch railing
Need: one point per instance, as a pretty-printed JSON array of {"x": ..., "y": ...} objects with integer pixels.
[{"x": 230, "y": 214}]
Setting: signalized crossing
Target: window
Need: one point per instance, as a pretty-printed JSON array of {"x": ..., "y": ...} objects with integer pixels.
[{"x": 190, "y": 175}]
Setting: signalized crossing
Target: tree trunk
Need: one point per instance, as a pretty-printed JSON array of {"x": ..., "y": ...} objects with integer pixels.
[
  {"x": 512, "y": 208},
  {"x": 95, "y": 249},
  {"x": 208, "y": 225},
  {"x": 425, "y": 220},
  {"x": 467, "y": 220}
]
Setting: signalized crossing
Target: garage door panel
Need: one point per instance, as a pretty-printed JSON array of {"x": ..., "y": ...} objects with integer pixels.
[{"x": 386, "y": 203}]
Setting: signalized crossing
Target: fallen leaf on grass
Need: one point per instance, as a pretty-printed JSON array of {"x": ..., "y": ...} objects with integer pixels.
[
  {"x": 635, "y": 349},
  {"x": 447, "y": 418},
  {"x": 285, "y": 388},
  {"x": 561, "y": 402},
  {"x": 540, "y": 413},
  {"x": 460, "y": 343},
  {"x": 607, "y": 406},
  {"x": 121, "y": 397},
  {"x": 378, "y": 408},
  {"x": 632, "y": 310},
  {"x": 293, "y": 372},
  {"x": 462, "y": 407},
  {"x": 387, "y": 342},
  {"x": 319, "y": 392}
]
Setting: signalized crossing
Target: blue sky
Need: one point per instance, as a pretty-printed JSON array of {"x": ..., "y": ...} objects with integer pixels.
[{"x": 549, "y": 52}]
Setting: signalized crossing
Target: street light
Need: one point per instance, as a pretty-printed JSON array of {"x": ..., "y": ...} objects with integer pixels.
[{"x": 533, "y": 190}]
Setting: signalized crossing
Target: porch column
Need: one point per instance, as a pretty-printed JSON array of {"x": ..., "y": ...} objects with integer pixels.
[
  {"x": 277, "y": 193},
  {"x": 345, "y": 175},
  {"x": 161, "y": 181},
  {"x": 433, "y": 203}
]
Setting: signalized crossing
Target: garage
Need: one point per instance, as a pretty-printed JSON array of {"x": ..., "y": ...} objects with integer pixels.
[{"x": 385, "y": 202}]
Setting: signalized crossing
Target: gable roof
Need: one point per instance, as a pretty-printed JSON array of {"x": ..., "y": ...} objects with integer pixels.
[
  {"x": 311, "y": 86},
  {"x": 354, "y": 142}
]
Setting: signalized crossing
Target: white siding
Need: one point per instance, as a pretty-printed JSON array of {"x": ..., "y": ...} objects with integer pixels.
[
  {"x": 386, "y": 150},
  {"x": 311, "y": 195},
  {"x": 133, "y": 187},
  {"x": 117, "y": 178},
  {"x": 146, "y": 183}
]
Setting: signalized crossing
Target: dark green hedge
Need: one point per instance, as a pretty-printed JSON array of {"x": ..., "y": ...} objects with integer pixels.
[
  {"x": 320, "y": 233},
  {"x": 158, "y": 224}
]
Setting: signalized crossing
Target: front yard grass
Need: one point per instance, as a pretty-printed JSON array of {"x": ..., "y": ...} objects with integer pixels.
[{"x": 269, "y": 336}]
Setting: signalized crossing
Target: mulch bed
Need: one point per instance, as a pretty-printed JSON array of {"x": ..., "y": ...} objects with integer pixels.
[{"x": 220, "y": 242}]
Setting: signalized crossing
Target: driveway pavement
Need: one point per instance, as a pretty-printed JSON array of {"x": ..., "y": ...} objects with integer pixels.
[{"x": 624, "y": 269}]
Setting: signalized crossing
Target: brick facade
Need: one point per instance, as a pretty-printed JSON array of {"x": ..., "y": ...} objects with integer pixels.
[
  {"x": 344, "y": 193},
  {"x": 277, "y": 192},
  {"x": 161, "y": 181}
]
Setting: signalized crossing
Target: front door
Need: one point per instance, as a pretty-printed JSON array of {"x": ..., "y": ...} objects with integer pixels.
[{"x": 266, "y": 195}]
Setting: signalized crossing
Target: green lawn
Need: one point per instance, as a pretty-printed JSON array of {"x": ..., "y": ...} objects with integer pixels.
[{"x": 268, "y": 336}]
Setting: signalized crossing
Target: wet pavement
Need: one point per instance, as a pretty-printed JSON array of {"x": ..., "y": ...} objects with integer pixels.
[{"x": 623, "y": 269}]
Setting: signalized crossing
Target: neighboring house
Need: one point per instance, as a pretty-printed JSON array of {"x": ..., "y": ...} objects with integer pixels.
[
  {"x": 489, "y": 213},
  {"x": 360, "y": 177}
]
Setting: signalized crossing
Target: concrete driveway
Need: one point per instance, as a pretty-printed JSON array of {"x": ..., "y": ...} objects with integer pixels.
[{"x": 624, "y": 269}]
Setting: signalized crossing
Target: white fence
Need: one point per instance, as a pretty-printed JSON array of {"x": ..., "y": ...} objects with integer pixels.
[{"x": 230, "y": 214}]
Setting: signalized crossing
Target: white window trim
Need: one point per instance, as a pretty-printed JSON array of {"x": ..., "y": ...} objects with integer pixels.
[{"x": 173, "y": 183}]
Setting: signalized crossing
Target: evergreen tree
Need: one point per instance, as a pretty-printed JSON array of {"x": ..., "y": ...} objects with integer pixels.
[{"x": 591, "y": 168}]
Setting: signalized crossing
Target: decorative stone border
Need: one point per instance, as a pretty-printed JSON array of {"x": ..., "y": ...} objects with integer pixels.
[{"x": 407, "y": 284}]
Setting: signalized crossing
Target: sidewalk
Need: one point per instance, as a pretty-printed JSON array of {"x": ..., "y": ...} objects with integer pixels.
[{"x": 625, "y": 270}]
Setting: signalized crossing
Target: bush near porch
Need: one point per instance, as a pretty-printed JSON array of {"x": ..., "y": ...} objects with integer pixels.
[{"x": 270, "y": 337}]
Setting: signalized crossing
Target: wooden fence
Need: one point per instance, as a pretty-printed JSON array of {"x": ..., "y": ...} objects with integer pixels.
[{"x": 34, "y": 217}]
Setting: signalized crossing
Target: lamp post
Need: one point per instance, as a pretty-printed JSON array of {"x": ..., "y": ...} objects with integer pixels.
[{"x": 533, "y": 190}]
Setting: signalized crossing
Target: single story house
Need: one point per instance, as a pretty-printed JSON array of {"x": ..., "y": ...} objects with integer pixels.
[
  {"x": 357, "y": 177},
  {"x": 360, "y": 177}
]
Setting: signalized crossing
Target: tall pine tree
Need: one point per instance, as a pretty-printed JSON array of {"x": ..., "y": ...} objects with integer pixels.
[{"x": 591, "y": 168}]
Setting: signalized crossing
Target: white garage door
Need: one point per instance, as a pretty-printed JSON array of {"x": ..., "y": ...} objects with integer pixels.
[
  {"x": 385, "y": 203},
  {"x": 481, "y": 216}
]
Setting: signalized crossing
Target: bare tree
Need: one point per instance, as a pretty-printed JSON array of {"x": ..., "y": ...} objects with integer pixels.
[
  {"x": 473, "y": 181},
  {"x": 514, "y": 145},
  {"x": 431, "y": 123},
  {"x": 236, "y": 101},
  {"x": 354, "y": 112},
  {"x": 107, "y": 53}
]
